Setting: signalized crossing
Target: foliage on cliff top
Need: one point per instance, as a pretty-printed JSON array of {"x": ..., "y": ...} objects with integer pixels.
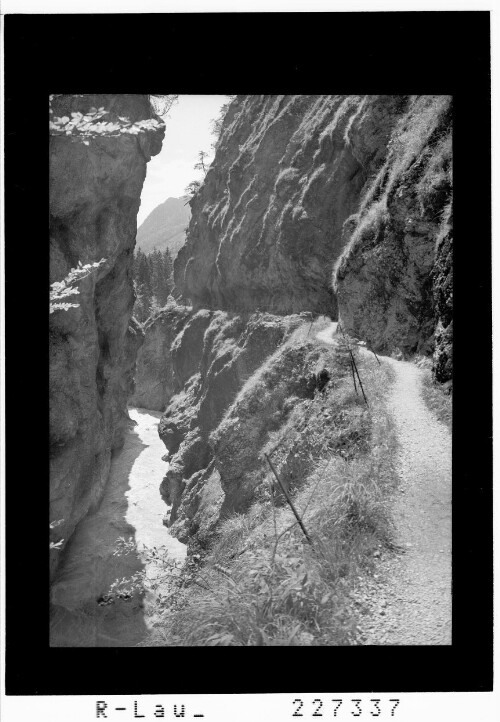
[{"x": 100, "y": 121}]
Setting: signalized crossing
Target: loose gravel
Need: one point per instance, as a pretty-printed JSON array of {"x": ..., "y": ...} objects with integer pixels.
[{"x": 408, "y": 600}]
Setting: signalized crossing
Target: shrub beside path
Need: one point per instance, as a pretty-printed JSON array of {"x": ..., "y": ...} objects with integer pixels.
[{"x": 408, "y": 599}]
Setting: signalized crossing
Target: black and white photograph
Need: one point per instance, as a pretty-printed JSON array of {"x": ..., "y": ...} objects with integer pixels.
[
  {"x": 248, "y": 362},
  {"x": 251, "y": 369}
]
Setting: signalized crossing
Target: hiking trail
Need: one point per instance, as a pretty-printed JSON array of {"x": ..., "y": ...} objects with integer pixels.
[{"x": 408, "y": 599}]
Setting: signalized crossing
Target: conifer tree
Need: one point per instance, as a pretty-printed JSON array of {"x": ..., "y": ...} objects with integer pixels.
[{"x": 153, "y": 282}]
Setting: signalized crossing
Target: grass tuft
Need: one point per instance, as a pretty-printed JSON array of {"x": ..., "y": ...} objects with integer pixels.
[{"x": 437, "y": 397}]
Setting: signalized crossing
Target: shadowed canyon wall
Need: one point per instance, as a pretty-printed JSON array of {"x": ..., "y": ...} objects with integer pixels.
[
  {"x": 394, "y": 280},
  {"x": 95, "y": 190}
]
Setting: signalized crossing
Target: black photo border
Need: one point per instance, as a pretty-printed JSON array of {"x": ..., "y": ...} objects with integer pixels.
[{"x": 346, "y": 53}]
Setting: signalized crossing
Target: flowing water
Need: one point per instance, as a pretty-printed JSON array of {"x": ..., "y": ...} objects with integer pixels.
[{"x": 128, "y": 521}]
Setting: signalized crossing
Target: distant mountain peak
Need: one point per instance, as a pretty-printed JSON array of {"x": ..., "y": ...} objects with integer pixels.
[{"x": 165, "y": 226}]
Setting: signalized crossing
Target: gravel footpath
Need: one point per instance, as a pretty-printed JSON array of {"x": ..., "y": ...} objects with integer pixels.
[{"x": 408, "y": 601}]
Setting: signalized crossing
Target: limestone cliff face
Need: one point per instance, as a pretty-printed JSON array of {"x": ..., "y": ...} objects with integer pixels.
[
  {"x": 394, "y": 279},
  {"x": 300, "y": 184},
  {"x": 155, "y": 381},
  {"x": 212, "y": 358},
  {"x": 94, "y": 198},
  {"x": 266, "y": 225}
]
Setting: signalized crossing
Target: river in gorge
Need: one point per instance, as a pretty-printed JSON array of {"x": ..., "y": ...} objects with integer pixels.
[{"x": 113, "y": 543}]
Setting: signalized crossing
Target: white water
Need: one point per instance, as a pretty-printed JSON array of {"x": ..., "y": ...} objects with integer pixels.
[
  {"x": 328, "y": 333},
  {"x": 131, "y": 508}
]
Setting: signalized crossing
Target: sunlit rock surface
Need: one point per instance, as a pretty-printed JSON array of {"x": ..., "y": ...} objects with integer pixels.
[
  {"x": 220, "y": 351},
  {"x": 304, "y": 184},
  {"x": 266, "y": 225}
]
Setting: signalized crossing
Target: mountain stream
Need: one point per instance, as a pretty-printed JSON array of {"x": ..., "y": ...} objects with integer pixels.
[{"x": 116, "y": 542}]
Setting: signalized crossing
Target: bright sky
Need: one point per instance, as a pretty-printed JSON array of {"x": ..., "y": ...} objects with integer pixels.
[{"x": 187, "y": 132}]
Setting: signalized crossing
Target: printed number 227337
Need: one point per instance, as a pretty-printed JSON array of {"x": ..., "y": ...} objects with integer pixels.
[{"x": 337, "y": 707}]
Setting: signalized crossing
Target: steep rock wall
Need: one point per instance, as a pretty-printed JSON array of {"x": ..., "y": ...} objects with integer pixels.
[
  {"x": 213, "y": 357},
  {"x": 296, "y": 372},
  {"x": 155, "y": 382},
  {"x": 266, "y": 225},
  {"x": 95, "y": 192},
  {"x": 394, "y": 279}
]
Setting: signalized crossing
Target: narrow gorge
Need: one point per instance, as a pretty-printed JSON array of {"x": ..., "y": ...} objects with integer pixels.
[{"x": 229, "y": 471}]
